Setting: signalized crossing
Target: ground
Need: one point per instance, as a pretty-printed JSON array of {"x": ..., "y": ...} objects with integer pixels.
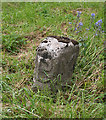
[{"x": 24, "y": 25}]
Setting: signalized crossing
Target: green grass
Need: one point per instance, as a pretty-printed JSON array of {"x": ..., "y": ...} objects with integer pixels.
[{"x": 24, "y": 25}]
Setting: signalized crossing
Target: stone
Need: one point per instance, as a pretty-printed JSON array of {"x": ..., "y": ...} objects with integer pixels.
[{"x": 55, "y": 60}]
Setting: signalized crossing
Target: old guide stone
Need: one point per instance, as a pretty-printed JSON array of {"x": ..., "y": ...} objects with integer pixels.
[{"x": 55, "y": 61}]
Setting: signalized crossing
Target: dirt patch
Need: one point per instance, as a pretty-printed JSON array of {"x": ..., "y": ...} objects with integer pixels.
[{"x": 64, "y": 28}]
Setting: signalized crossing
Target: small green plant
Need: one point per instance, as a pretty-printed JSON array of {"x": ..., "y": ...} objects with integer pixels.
[{"x": 12, "y": 42}]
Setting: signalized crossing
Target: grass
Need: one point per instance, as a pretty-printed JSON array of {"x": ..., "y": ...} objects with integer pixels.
[{"x": 24, "y": 25}]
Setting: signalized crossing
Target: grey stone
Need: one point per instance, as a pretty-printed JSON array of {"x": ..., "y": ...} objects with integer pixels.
[{"x": 55, "y": 61}]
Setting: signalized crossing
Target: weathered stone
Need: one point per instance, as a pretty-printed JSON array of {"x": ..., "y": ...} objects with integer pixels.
[{"x": 55, "y": 61}]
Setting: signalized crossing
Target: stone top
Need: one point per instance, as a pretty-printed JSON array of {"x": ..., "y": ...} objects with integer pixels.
[
  {"x": 65, "y": 39},
  {"x": 54, "y": 45}
]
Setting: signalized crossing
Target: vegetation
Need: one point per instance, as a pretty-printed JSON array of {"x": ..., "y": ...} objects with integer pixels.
[{"x": 23, "y": 27}]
